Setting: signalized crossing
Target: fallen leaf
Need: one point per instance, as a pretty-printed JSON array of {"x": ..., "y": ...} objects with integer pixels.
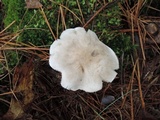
[
  {"x": 22, "y": 91},
  {"x": 31, "y": 4}
]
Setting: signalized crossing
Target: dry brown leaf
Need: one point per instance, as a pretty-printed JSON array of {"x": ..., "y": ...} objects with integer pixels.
[
  {"x": 31, "y": 4},
  {"x": 153, "y": 30},
  {"x": 22, "y": 91}
]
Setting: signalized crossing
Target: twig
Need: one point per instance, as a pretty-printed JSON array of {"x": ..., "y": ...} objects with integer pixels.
[
  {"x": 8, "y": 27},
  {"x": 44, "y": 15},
  {"x": 139, "y": 85}
]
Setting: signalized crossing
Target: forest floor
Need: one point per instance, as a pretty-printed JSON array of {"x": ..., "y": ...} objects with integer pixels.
[{"x": 32, "y": 90}]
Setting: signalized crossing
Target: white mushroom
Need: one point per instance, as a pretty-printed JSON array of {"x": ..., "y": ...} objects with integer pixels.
[{"x": 83, "y": 60}]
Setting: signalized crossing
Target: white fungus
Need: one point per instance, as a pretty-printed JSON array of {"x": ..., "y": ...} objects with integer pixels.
[{"x": 83, "y": 60}]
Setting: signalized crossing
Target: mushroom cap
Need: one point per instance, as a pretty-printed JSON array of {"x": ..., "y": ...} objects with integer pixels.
[{"x": 83, "y": 60}]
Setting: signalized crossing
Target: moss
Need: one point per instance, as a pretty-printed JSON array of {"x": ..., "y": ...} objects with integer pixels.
[
  {"x": 13, "y": 12},
  {"x": 35, "y": 30}
]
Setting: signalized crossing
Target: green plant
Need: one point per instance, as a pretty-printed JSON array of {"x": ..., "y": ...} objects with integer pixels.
[
  {"x": 63, "y": 14},
  {"x": 13, "y": 12}
]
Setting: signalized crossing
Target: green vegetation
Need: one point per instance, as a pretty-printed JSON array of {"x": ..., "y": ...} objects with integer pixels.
[
  {"x": 61, "y": 15},
  {"x": 13, "y": 12},
  {"x": 35, "y": 30}
]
